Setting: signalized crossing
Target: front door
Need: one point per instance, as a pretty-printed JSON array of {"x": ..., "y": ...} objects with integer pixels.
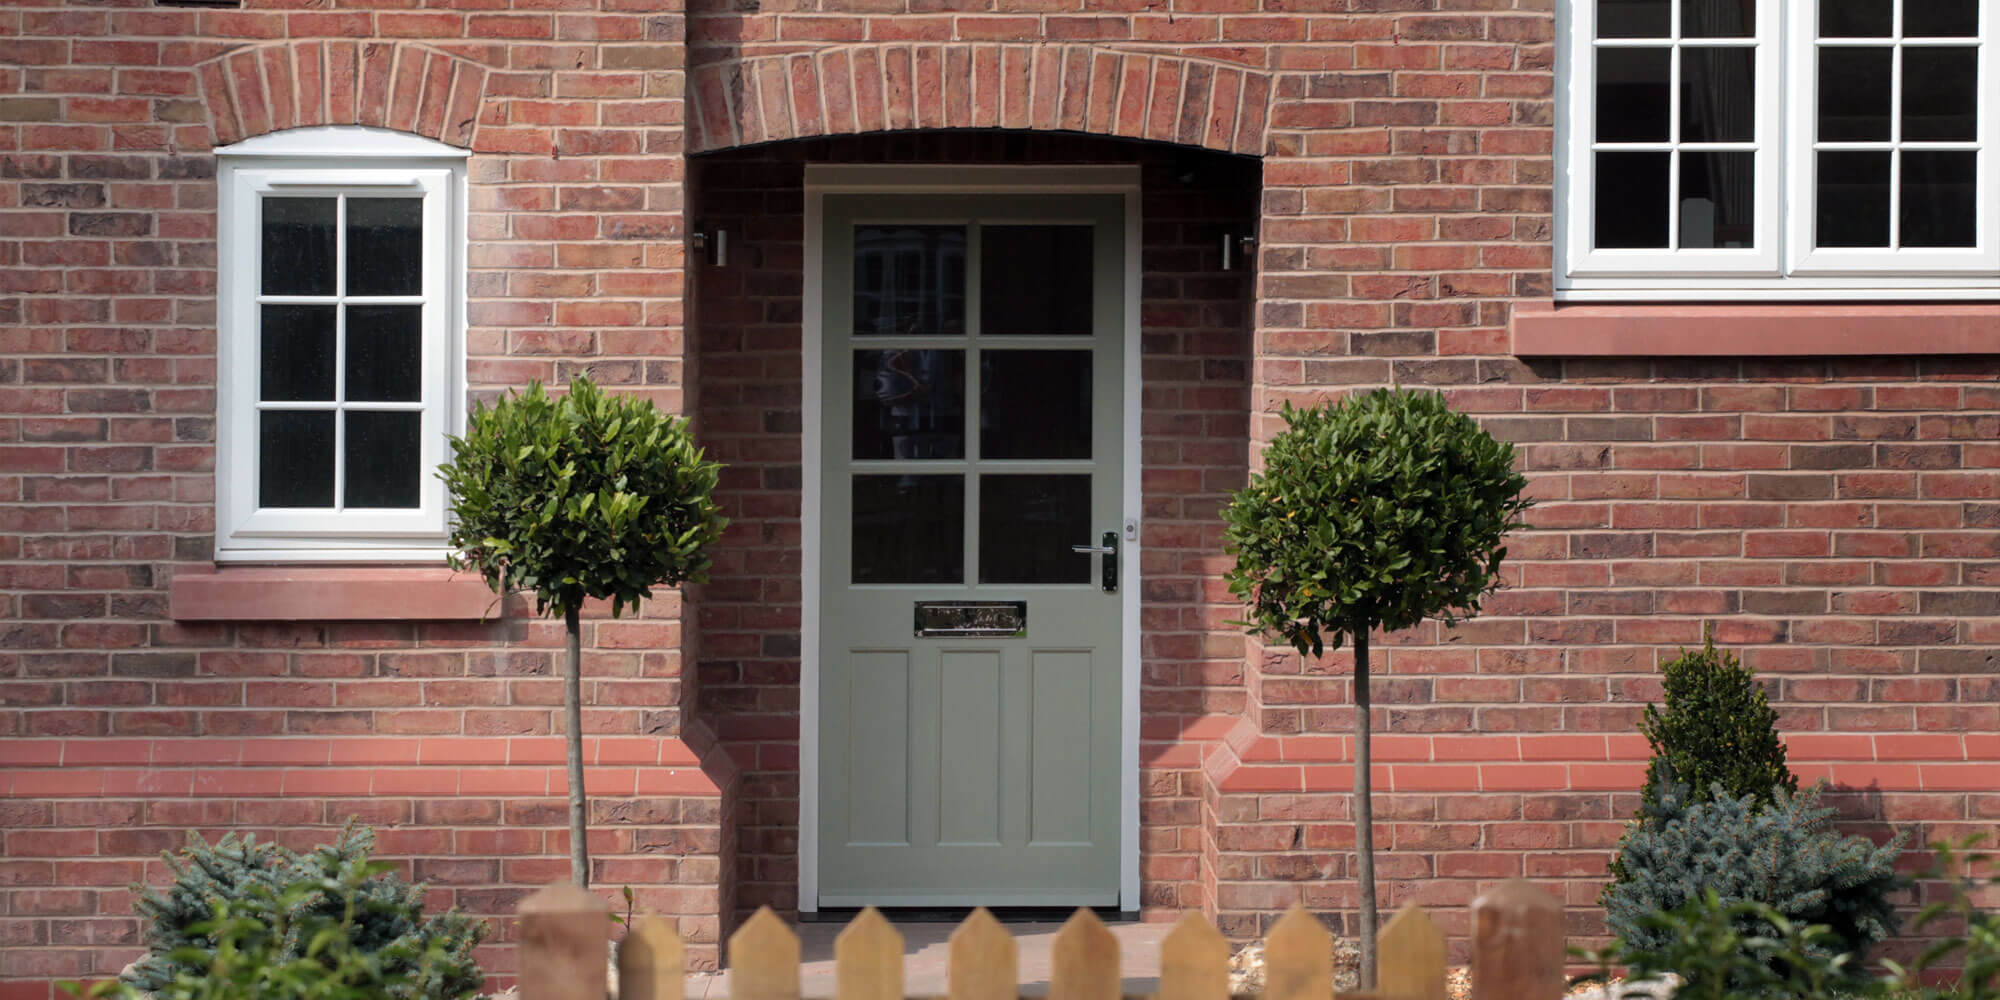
[{"x": 972, "y": 434}]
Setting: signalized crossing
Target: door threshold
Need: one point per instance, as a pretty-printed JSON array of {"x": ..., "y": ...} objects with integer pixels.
[{"x": 957, "y": 914}]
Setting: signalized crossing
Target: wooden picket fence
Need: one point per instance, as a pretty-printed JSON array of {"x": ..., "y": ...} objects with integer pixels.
[{"x": 1517, "y": 954}]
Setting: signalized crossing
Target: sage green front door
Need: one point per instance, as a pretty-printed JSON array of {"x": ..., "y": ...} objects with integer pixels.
[{"x": 969, "y": 657}]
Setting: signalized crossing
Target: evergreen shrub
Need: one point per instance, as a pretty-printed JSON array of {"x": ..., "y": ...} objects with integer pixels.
[
  {"x": 285, "y": 903},
  {"x": 1717, "y": 729}
]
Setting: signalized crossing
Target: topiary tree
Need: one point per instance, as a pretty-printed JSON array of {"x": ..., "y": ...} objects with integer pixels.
[
  {"x": 1717, "y": 729},
  {"x": 337, "y": 888},
  {"x": 1376, "y": 513},
  {"x": 579, "y": 497}
]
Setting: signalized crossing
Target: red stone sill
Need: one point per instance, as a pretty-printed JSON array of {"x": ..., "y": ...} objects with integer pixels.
[
  {"x": 1820, "y": 329},
  {"x": 331, "y": 593}
]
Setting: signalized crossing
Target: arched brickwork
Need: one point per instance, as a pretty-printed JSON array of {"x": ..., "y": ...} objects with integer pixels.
[
  {"x": 395, "y": 85},
  {"x": 885, "y": 87}
]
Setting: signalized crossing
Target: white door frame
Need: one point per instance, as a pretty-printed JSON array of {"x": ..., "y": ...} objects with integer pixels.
[{"x": 824, "y": 179}]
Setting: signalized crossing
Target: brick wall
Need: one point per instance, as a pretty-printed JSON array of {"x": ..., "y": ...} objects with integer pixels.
[{"x": 1194, "y": 320}]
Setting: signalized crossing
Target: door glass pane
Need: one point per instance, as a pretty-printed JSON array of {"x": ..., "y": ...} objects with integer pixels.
[
  {"x": 1632, "y": 94},
  {"x": 1852, "y": 200},
  {"x": 385, "y": 246},
  {"x": 1035, "y": 281},
  {"x": 295, "y": 353},
  {"x": 1027, "y": 524},
  {"x": 1718, "y": 195},
  {"x": 909, "y": 404},
  {"x": 1940, "y": 93},
  {"x": 909, "y": 281},
  {"x": 1719, "y": 18},
  {"x": 1854, "y": 93},
  {"x": 1632, "y": 18},
  {"x": 1632, "y": 200},
  {"x": 1855, "y": 18},
  {"x": 385, "y": 353},
  {"x": 1940, "y": 18},
  {"x": 1939, "y": 198},
  {"x": 1718, "y": 95},
  {"x": 1034, "y": 404},
  {"x": 295, "y": 458},
  {"x": 909, "y": 529},
  {"x": 384, "y": 462},
  {"x": 298, "y": 246}
]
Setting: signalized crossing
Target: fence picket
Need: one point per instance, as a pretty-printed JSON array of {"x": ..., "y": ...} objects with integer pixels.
[
  {"x": 1517, "y": 944},
  {"x": 1083, "y": 960},
  {"x": 564, "y": 933},
  {"x": 867, "y": 959},
  {"x": 1298, "y": 958},
  {"x": 651, "y": 965},
  {"x": 1409, "y": 957},
  {"x": 763, "y": 959},
  {"x": 984, "y": 960},
  {"x": 1194, "y": 961}
]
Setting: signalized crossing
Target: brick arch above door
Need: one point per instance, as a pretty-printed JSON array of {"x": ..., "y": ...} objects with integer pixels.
[
  {"x": 878, "y": 87},
  {"x": 293, "y": 84}
]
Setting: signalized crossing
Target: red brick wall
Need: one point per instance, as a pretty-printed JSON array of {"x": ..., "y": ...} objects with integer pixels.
[{"x": 1194, "y": 320}]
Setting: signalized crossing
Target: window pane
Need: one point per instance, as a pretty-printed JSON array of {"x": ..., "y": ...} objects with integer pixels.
[
  {"x": 1940, "y": 93},
  {"x": 1035, "y": 281},
  {"x": 1632, "y": 18},
  {"x": 909, "y": 404},
  {"x": 298, "y": 246},
  {"x": 295, "y": 458},
  {"x": 1632, "y": 200},
  {"x": 1855, "y": 18},
  {"x": 1027, "y": 525},
  {"x": 1718, "y": 95},
  {"x": 1034, "y": 404},
  {"x": 1939, "y": 198},
  {"x": 385, "y": 353},
  {"x": 909, "y": 281},
  {"x": 385, "y": 246},
  {"x": 1854, "y": 94},
  {"x": 909, "y": 529},
  {"x": 1718, "y": 199},
  {"x": 295, "y": 353},
  {"x": 1851, "y": 200},
  {"x": 1941, "y": 18},
  {"x": 1632, "y": 95},
  {"x": 384, "y": 460},
  {"x": 1719, "y": 18}
]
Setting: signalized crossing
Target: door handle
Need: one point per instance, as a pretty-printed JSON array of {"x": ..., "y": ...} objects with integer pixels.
[{"x": 1109, "y": 550}]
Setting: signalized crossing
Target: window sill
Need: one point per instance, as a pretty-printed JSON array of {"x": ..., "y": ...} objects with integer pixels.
[
  {"x": 331, "y": 593},
  {"x": 1542, "y": 329}
]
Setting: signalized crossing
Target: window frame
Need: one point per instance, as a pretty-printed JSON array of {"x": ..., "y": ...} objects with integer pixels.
[
  {"x": 1784, "y": 266},
  {"x": 356, "y": 161}
]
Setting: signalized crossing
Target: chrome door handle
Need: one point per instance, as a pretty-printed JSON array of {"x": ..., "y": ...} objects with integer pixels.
[{"x": 1108, "y": 575}]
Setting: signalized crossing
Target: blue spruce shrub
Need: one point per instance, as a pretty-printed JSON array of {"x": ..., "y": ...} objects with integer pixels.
[{"x": 1783, "y": 853}]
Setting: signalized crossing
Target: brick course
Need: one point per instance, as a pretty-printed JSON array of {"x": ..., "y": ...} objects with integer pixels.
[{"x": 1835, "y": 518}]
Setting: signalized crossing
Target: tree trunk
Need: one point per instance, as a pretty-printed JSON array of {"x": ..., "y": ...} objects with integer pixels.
[
  {"x": 1364, "y": 813},
  {"x": 579, "y": 851}
]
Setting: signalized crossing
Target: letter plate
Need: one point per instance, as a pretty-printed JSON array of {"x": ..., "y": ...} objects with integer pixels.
[{"x": 972, "y": 619}]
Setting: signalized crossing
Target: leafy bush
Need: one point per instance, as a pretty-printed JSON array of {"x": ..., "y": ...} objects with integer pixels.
[
  {"x": 1379, "y": 512},
  {"x": 1707, "y": 945},
  {"x": 1717, "y": 730},
  {"x": 579, "y": 497},
  {"x": 1784, "y": 855},
  {"x": 1975, "y": 951},
  {"x": 241, "y": 895}
]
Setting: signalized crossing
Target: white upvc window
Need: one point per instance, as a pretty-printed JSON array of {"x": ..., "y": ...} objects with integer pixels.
[
  {"x": 340, "y": 348},
  {"x": 1820, "y": 149}
]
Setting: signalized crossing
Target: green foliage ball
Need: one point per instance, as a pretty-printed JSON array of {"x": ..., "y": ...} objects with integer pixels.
[
  {"x": 1717, "y": 730},
  {"x": 291, "y": 905},
  {"x": 1783, "y": 853},
  {"x": 1381, "y": 511},
  {"x": 584, "y": 495}
]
